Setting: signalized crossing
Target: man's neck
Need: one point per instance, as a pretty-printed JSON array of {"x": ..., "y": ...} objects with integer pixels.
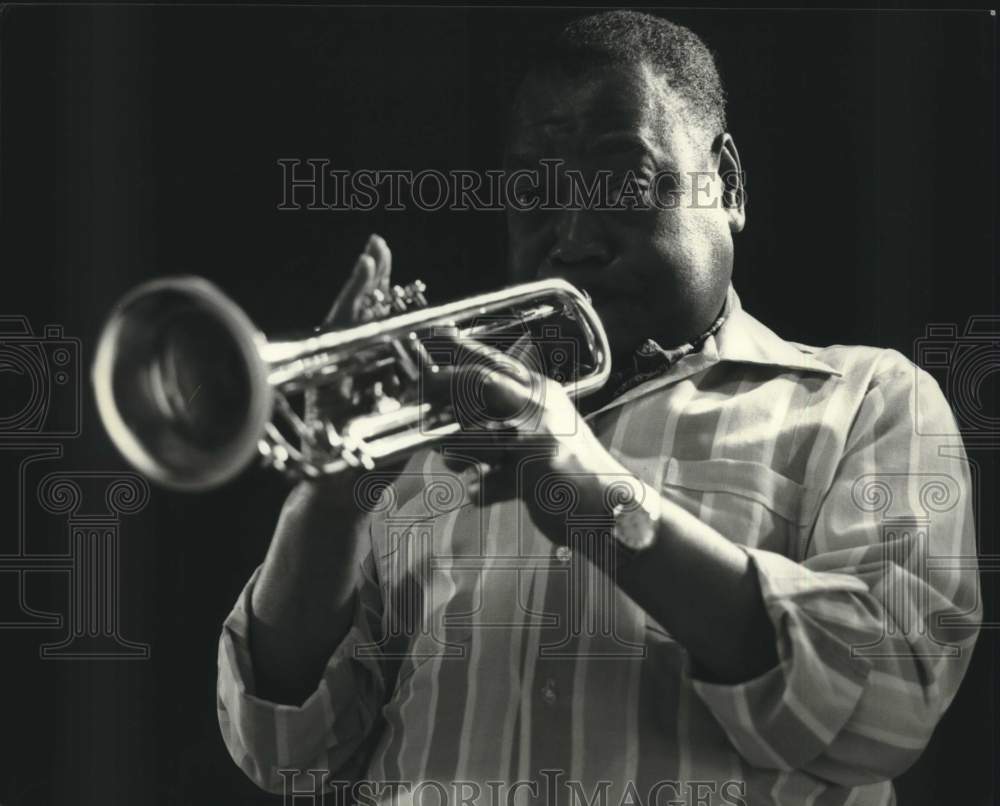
[{"x": 647, "y": 361}]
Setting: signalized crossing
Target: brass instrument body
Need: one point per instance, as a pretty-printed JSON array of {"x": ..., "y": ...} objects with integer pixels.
[{"x": 190, "y": 390}]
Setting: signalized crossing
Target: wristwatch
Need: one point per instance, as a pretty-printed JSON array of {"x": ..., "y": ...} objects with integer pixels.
[{"x": 636, "y": 522}]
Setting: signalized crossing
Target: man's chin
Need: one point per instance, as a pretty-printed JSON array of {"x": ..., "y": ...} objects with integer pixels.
[{"x": 623, "y": 327}]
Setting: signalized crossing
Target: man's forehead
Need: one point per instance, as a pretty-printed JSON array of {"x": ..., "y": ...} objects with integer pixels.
[{"x": 623, "y": 99}]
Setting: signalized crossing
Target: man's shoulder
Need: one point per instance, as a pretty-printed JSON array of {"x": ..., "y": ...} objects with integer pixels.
[
  {"x": 887, "y": 376},
  {"x": 749, "y": 339},
  {"x": 853, "y": 361}
]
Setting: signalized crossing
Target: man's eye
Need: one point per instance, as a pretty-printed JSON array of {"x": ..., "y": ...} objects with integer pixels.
[
  {"x": 629, "y": 190},
  {"x": 667, "y": 182}
]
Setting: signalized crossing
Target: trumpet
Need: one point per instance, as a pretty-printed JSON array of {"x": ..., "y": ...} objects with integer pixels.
[{"x": 190, "y": 391}]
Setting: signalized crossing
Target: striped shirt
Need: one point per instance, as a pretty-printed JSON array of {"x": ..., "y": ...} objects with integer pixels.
[{"x": 486, "y": 663}]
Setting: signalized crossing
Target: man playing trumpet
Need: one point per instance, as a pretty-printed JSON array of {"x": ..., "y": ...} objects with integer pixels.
[{"x": 679, "y": 594}]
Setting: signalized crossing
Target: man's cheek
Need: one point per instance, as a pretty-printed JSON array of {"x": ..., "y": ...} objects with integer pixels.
[
  {"x": 703, "y": 191},
  {"x": 639, "y": 222},
  {"x": 685, "y": 246},
  {"x": 626, "y": 324},
  {"x": 523, "y": 261}
]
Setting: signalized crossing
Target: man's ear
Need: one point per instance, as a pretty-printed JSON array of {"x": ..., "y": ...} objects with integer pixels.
[{"x": 730, "y": 171}]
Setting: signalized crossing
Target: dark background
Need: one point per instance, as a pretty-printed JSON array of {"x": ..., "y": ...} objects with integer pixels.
[{"x": 142, "y": 141}]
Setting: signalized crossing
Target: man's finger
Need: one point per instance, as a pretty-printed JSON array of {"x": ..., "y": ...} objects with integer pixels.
[
  {"x": 465, "y": 352},
  {"x": 344, "y": 309},
  {"x": 382, "y": 255},
  {"x": 482, "y": 399}
]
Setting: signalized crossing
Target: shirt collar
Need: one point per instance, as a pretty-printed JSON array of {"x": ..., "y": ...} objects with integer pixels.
[
  {"x": 746, "y": 340},
  {"x": 740, "y": 339},
  {"x": 650, "y": 360}
]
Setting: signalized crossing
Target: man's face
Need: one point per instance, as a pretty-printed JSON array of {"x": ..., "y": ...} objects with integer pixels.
[{"x": 652, "y": 272}]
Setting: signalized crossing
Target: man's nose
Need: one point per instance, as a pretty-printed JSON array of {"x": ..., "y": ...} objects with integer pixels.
[{"x": 579, "y": 239}]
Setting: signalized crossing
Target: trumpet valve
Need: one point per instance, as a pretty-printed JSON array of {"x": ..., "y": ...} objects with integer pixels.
[
  {"x": 399, "y": 299},
  {"x": 415, "y": 293}
]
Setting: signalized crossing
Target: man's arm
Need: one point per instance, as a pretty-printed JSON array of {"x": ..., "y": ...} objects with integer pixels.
[
  {"x": 840, "y": 665},
  {"x": 705, "y": 592},
  {"x": 294, "y": 692},
  {"x": 303, "y": 603},
  {"x": 302, "y": 680},
  {"x": 695, "y": 582}
]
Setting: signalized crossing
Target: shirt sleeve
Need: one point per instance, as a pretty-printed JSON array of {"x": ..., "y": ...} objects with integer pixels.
[
  {"x": 876, "y": 626},
  {"x": 332, "y": 730}
]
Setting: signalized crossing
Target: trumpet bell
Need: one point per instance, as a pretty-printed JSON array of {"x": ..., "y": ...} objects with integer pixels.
[{"x": 180, "y": 384}]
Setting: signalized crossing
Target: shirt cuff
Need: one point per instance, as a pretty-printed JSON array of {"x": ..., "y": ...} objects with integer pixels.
[
  {"x": 264, "y": 736},
  {"x": 791, "y": 713}
]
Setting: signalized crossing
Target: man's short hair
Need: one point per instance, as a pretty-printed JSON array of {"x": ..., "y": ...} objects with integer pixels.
[{"x": 632, "y": 37}]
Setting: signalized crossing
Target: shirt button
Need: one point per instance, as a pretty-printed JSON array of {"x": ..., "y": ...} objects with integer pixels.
[
  {"x": 549, "y": 692},
  {"x": 563, "y": 553}
]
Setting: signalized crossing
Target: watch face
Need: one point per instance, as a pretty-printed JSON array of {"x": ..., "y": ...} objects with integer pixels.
[{"x": 635, "y": 529}]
